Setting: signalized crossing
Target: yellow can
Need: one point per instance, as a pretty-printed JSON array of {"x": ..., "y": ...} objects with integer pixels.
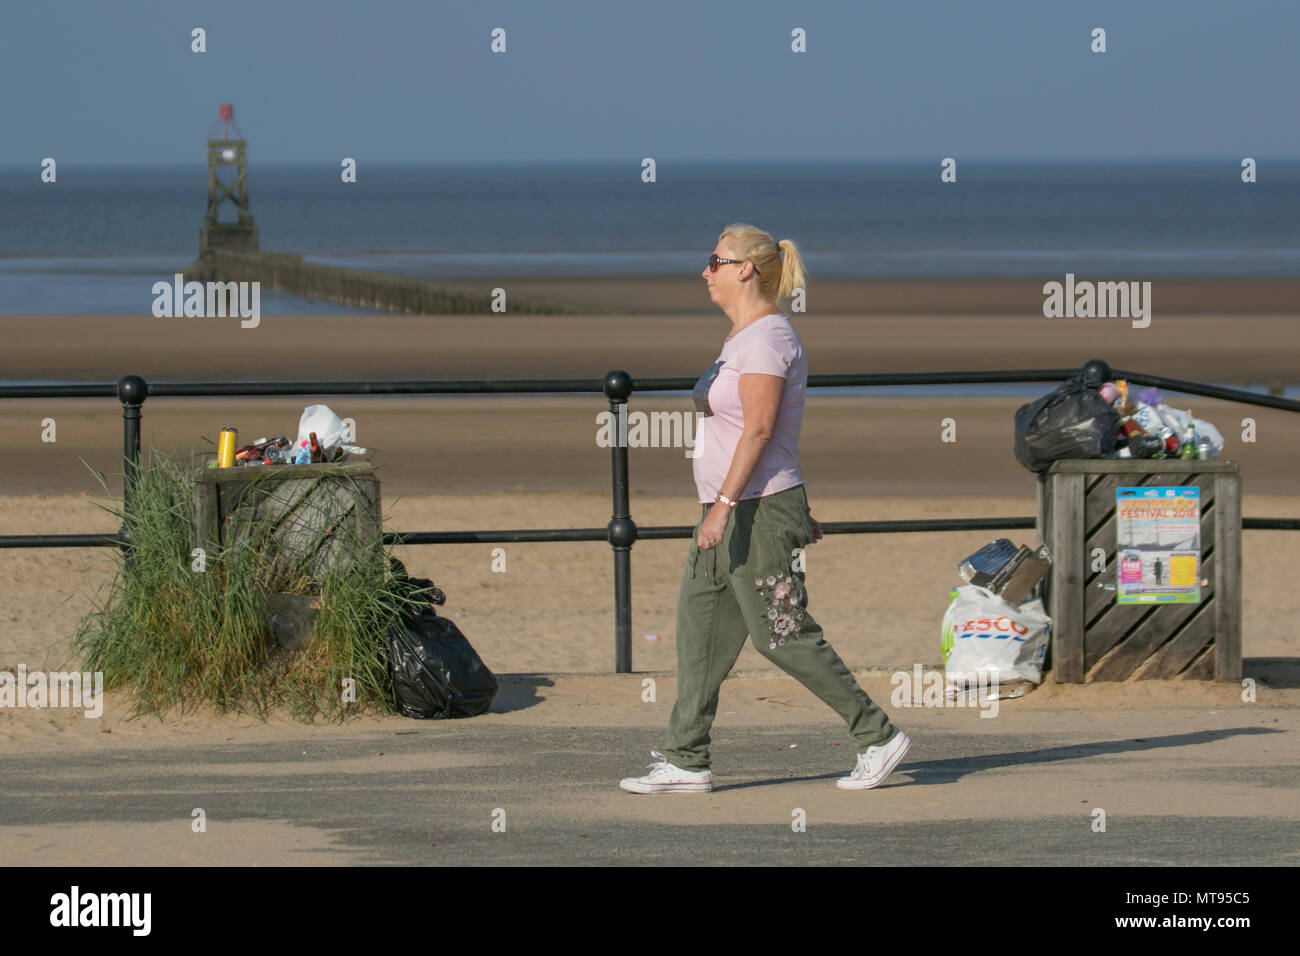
[{"x": 226, "y": 448}]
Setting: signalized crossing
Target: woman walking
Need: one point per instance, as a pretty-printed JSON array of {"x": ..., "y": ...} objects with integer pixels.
[{"x": 744, "y": 571}]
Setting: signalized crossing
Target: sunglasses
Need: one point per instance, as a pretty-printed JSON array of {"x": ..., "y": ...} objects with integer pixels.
[{"x": 714, "y": 262}]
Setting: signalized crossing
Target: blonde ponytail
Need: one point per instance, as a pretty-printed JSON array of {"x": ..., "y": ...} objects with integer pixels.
[{"x": 779, "y": 275}]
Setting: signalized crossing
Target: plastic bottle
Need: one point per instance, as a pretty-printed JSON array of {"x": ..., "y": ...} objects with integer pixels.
[{"x": 1149, "y": 419}]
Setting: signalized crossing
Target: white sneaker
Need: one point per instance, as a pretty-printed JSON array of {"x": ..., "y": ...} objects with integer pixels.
[
  {"x": 665, "y": 777},
  {"x": 875, "y": 765}
]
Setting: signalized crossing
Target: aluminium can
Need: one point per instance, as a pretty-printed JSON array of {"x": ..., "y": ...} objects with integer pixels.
[{"x": 226, "y": 448}]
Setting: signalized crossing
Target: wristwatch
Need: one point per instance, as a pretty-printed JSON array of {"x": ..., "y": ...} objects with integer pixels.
[{"x": 725, "y": 500}]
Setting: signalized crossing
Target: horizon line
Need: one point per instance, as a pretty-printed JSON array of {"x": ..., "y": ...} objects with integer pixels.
[{"x": 201, "y": 160}]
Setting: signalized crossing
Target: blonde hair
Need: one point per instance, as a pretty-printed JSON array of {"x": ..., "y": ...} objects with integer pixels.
[{"x": 778, "y": 276}]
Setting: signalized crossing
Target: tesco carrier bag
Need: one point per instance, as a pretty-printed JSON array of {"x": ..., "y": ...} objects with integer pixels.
[{"x": 988, "y": 642}]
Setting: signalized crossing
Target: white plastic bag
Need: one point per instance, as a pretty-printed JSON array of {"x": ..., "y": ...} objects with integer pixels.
[
  {"x": 984, "y": 635},
  {"x": 329, "y": 428},
  {"x": 1174, "y": 418},
  {"x": 1205, "y": 430},
  {"x": 1179, "y": 420}
]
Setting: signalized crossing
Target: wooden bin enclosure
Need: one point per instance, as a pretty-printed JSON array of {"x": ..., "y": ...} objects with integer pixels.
[
  {"x": 320, "y": 515},
  {"x": 1096, "y": 639}
]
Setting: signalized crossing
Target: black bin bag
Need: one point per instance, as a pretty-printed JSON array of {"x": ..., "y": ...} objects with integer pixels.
[
  {"x": 1072, "y": 421},
  {"x": 436, "y": 673}
]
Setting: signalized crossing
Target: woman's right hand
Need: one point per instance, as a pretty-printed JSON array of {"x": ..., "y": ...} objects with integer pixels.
[{"x": 713, "y": 527}]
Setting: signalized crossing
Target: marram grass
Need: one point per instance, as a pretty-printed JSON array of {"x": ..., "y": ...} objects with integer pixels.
[{"x": 181, "y": 638}]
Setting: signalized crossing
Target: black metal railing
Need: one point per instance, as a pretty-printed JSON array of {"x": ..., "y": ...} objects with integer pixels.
[{"x": 621, "y": 532}]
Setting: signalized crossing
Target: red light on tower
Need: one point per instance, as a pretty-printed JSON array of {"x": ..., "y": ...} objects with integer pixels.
[{"x": 240, "y": 235}]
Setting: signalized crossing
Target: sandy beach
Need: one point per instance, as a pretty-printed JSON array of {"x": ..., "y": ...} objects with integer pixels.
[
  {"x": 283, "y": 793},
  {"x": 880, "y": 598},
  {"x": 489, "y": 462}
]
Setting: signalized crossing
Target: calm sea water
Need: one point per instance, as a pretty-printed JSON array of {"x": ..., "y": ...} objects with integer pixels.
[{"x": 95, "y": 241}]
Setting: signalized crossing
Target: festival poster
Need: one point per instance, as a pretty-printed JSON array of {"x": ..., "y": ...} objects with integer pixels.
[{"x": 1158, "y": 545}]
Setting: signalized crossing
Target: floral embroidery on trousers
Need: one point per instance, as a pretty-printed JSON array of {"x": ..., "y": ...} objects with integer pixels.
[{"x": 784, "y": 598}]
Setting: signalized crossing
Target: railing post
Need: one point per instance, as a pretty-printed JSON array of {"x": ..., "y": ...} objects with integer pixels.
[
  {"x": 132, "y": 390},
  {"x": 621, "y": 530}
]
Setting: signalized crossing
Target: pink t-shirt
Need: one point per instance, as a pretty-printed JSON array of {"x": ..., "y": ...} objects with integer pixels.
[{"x": 767, "y": 346}]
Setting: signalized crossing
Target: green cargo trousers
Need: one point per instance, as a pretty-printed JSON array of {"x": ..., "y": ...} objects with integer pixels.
[{"x": 752, "y": 584}]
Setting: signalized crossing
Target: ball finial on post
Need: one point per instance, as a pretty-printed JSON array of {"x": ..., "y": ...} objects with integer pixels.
[
  {"x": 132, "y": 390},
  {"x": 618, "y": 385}
]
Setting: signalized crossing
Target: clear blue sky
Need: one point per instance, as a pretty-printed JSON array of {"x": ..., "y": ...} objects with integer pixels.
[{"x": 114, "y": 81}]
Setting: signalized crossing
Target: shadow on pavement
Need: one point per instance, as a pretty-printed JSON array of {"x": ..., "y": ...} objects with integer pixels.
[
  {"x": 1273, "y": 671},
  {"x": 932, "y": 772},
  {"x": 518, "y": 693}
]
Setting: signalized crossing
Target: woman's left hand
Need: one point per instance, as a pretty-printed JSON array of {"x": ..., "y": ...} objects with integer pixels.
[{"x": 713, "y": 526}]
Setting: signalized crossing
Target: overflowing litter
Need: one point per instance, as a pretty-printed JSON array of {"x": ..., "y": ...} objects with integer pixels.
[
  {"x": 1148, "y": 428},
  {"x": 436, "y": 673},
  {"x": 1091, "y": 416},
  {"x": 322, "y": 437},
  {"x": 994, "y": 636},
  {"x": 318, "y": 523}
]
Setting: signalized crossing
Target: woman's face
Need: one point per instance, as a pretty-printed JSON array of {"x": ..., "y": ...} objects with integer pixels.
[{"x": 724, "y": 285}]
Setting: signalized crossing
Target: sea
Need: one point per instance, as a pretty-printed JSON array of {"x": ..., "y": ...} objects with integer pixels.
[{"x": 96, "y": 240}]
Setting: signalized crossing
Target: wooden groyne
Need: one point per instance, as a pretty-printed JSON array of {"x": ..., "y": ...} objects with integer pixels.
[{"x": 358, "y": 288}]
